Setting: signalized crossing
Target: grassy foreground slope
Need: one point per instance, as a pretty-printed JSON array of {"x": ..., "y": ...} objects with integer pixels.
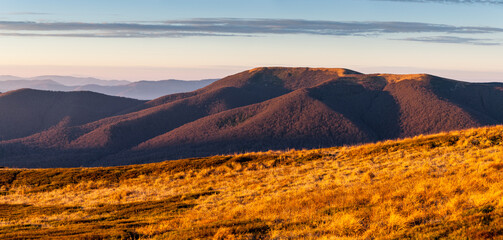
[{"x": 448, "y": 185}]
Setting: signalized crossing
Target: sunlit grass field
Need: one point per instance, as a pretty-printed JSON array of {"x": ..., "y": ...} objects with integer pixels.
[{"x": 448, "y": 185}]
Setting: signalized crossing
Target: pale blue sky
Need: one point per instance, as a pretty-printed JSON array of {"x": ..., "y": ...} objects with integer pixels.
[{"x": 206, "y": 39}]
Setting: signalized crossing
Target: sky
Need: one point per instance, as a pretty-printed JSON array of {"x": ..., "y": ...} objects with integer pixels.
[{"x": 200, "y": 39}]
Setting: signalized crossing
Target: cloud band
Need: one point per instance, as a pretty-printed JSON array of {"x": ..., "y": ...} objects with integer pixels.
[{"x": 237, "y": 27}]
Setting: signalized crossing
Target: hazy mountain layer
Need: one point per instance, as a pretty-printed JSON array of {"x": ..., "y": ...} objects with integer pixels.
[{"x": 144, "y": 90}]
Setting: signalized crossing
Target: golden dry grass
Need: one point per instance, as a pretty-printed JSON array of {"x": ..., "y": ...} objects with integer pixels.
[{"x": 447, "y": 185}]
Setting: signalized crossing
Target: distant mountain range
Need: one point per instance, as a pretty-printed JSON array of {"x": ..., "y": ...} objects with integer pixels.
[
  {"x": 68, "y": 80},
  {"x": 259, "y": 109},
  {"x": 145, "y": 90}
]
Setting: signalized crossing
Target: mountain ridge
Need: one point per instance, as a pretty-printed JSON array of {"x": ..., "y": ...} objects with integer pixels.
[
  {"x": 269, "y": 108},
  {"x": 27, "y": 111}
]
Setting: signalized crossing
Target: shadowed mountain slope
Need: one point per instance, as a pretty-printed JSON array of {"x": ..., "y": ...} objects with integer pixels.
[
  {"x": 267, "y": 108},
  {"x": 26, "y": 111}
]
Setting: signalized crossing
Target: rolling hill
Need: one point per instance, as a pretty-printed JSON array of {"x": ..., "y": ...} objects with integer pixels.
[
  {"x": 349, "y": 110},
  {"x": 263, "y": 109},
  {"x": 26, "y": 111},
  {"x": 442, "y": 186}
]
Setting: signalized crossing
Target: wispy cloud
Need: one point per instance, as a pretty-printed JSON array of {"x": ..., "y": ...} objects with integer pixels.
[
  {"x": 231, "y": 27},
  {"x": 452, "y": 39},
  {"x": 114, "y": 35},
  {"x": 27, "y": 13},
  {"x": 450, "y": 1}
]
